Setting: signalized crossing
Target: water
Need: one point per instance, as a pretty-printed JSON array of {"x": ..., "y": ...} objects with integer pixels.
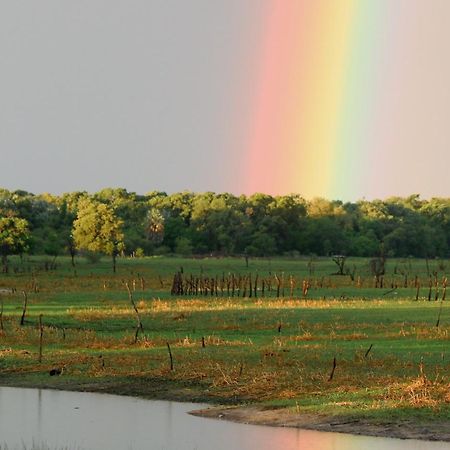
[{"x": 84, "y": 421}]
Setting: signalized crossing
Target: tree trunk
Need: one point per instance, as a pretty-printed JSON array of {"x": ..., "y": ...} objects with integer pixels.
[
  {"x": 24, "y": 310},
  {"x": 5, "y": 263},
  {"x": 114, "y": 262},
  {"x": 72, "y": 251}
]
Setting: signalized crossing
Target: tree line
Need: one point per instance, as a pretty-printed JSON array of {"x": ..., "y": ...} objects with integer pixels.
[{"x": 117, "y": 222}]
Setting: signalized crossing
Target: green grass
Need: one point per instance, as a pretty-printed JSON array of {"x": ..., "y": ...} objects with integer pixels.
[{"x": 248, "y": 358}]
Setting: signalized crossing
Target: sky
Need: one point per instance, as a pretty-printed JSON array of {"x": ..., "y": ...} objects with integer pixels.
[{"x": 345, "y": 99}]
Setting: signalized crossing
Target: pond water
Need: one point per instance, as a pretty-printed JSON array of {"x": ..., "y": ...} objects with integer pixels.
[{"x": 85, "y": 421}]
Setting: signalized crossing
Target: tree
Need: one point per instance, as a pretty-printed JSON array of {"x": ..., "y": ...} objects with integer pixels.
[
  {"x": 339, "y": 260},
  {"x": 97, "y": 229},
  {"x": 154, "y": 226},
  {"x": 14, "y": 236},
  {"x": 183, "y": 246}
]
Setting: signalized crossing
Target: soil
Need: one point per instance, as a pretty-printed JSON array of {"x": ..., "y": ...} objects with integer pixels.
[{"x": 435, "y": 431}]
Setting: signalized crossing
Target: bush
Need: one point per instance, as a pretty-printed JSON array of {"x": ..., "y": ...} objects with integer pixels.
[
  {"x": 139, "y": 253},
  {"x": 161, "y": 250},
  {"x": 183, "y": 246},
  {"x": 92, "y": 257}
]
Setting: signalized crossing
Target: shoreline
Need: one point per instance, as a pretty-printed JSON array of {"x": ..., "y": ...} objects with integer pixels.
[
  {"x": 264, "y": 415},
  {"x": 257, "y": 415}
]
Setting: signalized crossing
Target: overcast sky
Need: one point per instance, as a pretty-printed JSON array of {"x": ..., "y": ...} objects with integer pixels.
[
  {"x": 159, "y": 95},
  {"x": 139, "y": 94}
]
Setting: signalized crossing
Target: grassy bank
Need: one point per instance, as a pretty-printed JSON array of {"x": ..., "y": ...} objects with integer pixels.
[{"x": 391, "y": 360}]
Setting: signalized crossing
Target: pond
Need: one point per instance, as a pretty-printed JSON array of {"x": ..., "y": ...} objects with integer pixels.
[{"x": 36, "y": 418}]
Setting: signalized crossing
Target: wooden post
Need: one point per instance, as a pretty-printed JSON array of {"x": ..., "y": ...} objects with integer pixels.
[
  {"x": 233, "y": 284},
  {"x": 305, "y": 288},
  {"x": 444, "y": 283},
  {"x": 1, "y": 315},
  {"x": 368, "y": 351},
  {"x": 192, "y": 292},
  {"x": 41, "y": 334},
  {"x": 439, "y": 315},
  {"x": 211, "y": 286},
  {"x": 24, "y": 310},
  {"x": 170, "y": 356},
  {"x": 334, "y": 368},
  {"x": 34, "y": 283},
  {"x": 138, "y": 317},
  {"x": 278, "y": 285}
]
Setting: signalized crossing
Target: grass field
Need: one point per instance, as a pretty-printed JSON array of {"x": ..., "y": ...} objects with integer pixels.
[{"x": 391, "y": 358}]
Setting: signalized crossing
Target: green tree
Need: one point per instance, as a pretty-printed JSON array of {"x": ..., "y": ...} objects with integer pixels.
[
  {"x": 183, "y": 246},
  {"x": 154, "y": 226},
  {"x": 97, "y": 229},
  {"x": 14, "y": 236}
]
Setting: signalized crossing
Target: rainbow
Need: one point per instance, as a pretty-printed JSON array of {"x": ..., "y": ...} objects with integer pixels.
[{"x": 313, "y": 99}]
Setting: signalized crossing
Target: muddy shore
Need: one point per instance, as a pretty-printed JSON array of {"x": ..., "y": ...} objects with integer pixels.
[
  {"x": 435, "y": 431},
  {"x": 157, "y": 389}
]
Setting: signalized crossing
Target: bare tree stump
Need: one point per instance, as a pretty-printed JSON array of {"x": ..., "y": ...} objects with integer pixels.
[
  {"x": 139, "y": 326},
  {"x": 332, "y": 370},
  {"x": 1, "y": 315},
  {"x": 24, "y": 309},
  {"x": 41, "y": 335},
  {"x": 170, "y": 356}
]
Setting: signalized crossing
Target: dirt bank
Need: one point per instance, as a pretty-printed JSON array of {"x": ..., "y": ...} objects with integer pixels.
[
  {"x": 435, "y": 431},
  {"x": 161, "y": 389}
]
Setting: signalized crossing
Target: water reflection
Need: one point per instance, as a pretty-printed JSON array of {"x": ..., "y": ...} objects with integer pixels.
[{"x": 95, "y": 422}]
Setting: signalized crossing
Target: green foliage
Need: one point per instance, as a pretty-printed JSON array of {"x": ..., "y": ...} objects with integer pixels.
[
  {"x": 14, "y": 237},
  {"x": 139, "y": 253},
  {"x": 154, "y": 226},
  {"x": 183, "y": 246},
  {"x": 223, "y": 224},
  {"x": 161, "y": 250},
  {"x": 97, "y": 229}
]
